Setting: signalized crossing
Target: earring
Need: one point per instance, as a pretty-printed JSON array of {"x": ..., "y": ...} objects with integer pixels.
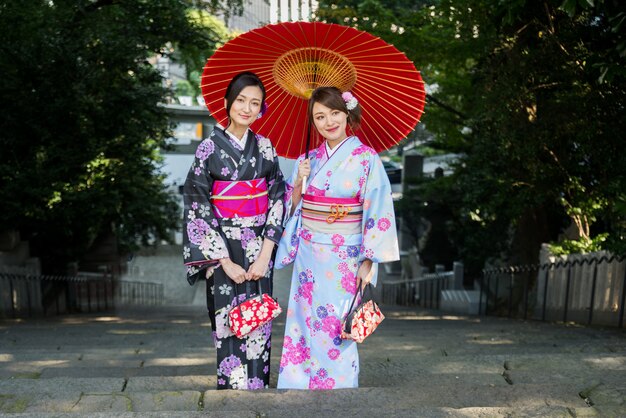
[{"x": 263, "y": 110}]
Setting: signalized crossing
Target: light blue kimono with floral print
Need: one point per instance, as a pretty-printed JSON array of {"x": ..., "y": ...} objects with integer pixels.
[{"x": 324, "y": 279}]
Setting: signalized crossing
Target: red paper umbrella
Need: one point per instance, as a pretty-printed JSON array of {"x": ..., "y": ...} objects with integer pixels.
[{"x": 293, "y": 58}]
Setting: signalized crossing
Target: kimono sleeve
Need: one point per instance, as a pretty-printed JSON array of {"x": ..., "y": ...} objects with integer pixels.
[
  {"x": 275, "y": 193},
  {"x": 380, "y": 238},
  {"x": 289, "y": 187},
  {"x": 290, "y": 240},
  {"x": 203, "y": 241}
]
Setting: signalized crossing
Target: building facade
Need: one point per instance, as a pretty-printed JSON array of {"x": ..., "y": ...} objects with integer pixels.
[{"x": 258, "y": 13}]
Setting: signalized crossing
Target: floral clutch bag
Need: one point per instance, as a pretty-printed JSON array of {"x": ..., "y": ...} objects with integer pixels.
[
  {"x": 364, "y": 319},
  {"x": 252, "y": 313}
]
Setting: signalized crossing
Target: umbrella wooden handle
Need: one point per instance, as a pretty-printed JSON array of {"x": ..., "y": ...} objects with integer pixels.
[{"x": 303, "y": 185}]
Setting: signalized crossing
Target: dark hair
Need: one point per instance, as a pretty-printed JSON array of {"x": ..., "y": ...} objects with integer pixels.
[
  {"x": 331, "y": 98},
  {"x": 240, "y": 82}
]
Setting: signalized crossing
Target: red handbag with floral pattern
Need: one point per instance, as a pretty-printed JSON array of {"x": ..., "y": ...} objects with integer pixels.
[
  {"x": 252, "y": 313},
  {"x": 361, "y": 323}
]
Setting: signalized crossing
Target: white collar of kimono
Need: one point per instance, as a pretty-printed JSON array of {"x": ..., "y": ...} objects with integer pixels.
[
  {"x": 241, "y": 142},
  {"x": 330, "y": 151}
]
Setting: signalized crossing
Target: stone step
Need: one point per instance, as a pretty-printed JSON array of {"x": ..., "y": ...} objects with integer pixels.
[
  {"x": 427, "y": 365},
  {"x": 345, "y": 412},
  {"x": 611, "y": 359},
  {"x": 417, "y": 364},
  {"x": 608, "y": 361},
  {"x": 114, "y": 395},
  {"x": 380, "y": 343},
  {"x": 469, "y": 369},
  {"x": 399, "y": 335},
  {"x": 102, "y": 355}
]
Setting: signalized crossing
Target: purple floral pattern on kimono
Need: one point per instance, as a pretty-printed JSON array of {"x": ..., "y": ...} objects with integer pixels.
[
  {"x": 242, "y": 363},
  {"x": 324, "y": 277}
]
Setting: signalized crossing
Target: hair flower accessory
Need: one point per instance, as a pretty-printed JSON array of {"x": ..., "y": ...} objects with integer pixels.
[
  {"x": 351, "y": 101},
  {"x": 263, "y": 110}
]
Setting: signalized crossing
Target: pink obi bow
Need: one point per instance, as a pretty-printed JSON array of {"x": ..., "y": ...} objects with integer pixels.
[{"x": 232, "y": 199}]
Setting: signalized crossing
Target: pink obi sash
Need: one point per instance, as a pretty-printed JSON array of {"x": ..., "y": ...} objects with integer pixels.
[
  {"x": 332, "y": 214},
  {"x": 239, "y": 199}
]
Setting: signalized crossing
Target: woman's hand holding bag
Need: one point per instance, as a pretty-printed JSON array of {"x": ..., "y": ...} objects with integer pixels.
[
  {"x": 253, "y": 312},
  {"x": 364, "y": 319}
]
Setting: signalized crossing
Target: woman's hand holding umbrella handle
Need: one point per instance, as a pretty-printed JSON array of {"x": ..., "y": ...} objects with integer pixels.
[{"x": 304, "y": 170}]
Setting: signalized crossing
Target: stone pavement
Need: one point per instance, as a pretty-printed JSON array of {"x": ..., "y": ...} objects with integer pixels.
[{"x": 159, "y": 362}]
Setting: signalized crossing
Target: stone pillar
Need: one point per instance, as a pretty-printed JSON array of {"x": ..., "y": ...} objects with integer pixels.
[
  {"x": 457, "y": 267},
  {"x": 9, "y": 240},
  {"x": 412, "y": 168}
]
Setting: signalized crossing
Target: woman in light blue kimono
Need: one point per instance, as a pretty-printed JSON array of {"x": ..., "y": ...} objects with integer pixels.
[{"x": 336, "y": 234}]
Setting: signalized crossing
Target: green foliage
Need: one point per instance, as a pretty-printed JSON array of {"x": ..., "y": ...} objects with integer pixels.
[
  {"x": 81, "y": 131},
  {"x": 193, "y": 78},
  {"x": 226, "y": 8},
  {"x": 545, "y": 128},
  {"x": 193, "y": 55},
  {"x": 183, "y": 88},
  {"x": 607, "y": 63},
  {"x": 583, "y": 245},
  {"x": 615, "y": 215}
]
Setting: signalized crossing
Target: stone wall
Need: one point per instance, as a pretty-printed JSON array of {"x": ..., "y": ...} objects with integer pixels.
[{"x": 164, "y": 264}]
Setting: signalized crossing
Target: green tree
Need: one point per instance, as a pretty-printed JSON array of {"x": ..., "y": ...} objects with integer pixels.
[
  {"x": 194, "y": 56},
  {"x": 531, "y": 94},
  {"x": 82, "y": 126},
  {"x": 546, "y": 131}
]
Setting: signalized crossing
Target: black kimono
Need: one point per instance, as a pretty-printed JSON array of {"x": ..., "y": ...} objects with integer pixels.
[{"x": 212, "y": 232}]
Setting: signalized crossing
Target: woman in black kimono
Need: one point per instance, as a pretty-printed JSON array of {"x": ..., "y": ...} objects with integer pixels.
[{"x": 233, "y": 218}]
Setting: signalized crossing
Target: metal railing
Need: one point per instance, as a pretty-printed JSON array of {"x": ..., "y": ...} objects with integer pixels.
[
  {"x": 423, "y": 291},
  {"x": 31, "y": 295},
  {"x": 589, "y": 290},
  {"x": 139, "y": 293}
]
